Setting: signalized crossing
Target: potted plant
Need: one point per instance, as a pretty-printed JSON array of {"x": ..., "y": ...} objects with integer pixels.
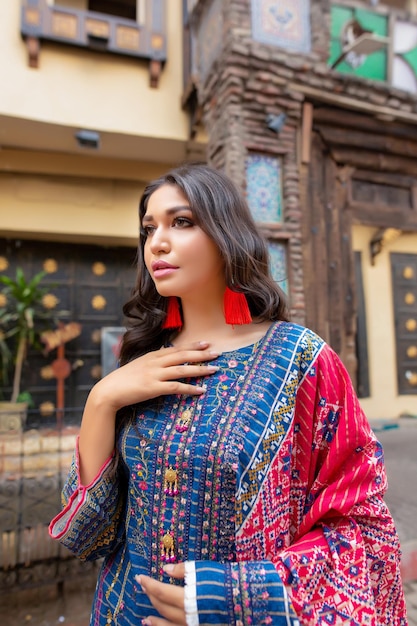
[{"x": 22, "y": 318}]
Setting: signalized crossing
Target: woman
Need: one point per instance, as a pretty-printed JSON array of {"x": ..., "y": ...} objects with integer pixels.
[{"x": 229, "y": 447}]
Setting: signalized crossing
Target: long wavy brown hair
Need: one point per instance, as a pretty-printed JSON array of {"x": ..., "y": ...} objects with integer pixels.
[{"x": 221, "y": 211}]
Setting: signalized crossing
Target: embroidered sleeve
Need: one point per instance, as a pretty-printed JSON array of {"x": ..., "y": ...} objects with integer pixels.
[
  {"x": 89, "y": 524},
  {"x": 242, "y": 593}
]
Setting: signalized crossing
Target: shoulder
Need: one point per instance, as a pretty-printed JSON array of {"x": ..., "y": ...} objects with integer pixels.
[
  {"x": 290, "y": 349},
  {"x": 305, "y": 349},
  {"x": 297, "y": 338},
  {"x": 316, "y": 357}
]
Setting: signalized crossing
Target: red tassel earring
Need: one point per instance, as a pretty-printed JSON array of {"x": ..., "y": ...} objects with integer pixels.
[
  {"x": 173, "y": 317},
  {"x": 236, "y": 309}
]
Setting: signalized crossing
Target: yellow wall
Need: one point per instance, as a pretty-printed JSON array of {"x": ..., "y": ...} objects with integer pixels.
[
  {"x": 65, "y": 198},
  {"x": 77, "y": 87},
  {"x": 69, "y": 208},
  {"x": 384, "y": 401},
  {"x": 52, "y": 188}
]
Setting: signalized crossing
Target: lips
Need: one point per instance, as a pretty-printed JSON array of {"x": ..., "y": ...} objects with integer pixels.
[
  {"x": 162, "y": 268},
  {"x": 162, "y": 265}
]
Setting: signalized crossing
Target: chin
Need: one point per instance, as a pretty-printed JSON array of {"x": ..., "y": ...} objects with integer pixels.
[{"x": 166, "y": 293}]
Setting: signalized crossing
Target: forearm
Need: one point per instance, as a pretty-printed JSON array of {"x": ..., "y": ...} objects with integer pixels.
[{"x": 97, "y": 435}]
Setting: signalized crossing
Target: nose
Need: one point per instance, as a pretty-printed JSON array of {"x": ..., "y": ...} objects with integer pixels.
[{"x": 159, "y": 242}]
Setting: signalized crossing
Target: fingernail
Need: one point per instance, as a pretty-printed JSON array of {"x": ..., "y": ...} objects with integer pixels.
[
  {"x": 146, "y": 622},
  {"x": 213, "y": 368},
  {"x": 201, "y": 389},
  {"x": 139, "y": 581},
  {"x": 169, "y": 568}
]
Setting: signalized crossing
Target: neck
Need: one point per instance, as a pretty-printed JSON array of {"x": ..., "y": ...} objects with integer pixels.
[
  {"x": 204, "y": 321},
  {"x": 201, "y": 316}
]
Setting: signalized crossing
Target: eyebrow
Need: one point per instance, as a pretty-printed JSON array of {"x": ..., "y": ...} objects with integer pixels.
[{"x": 171, "y": 211}]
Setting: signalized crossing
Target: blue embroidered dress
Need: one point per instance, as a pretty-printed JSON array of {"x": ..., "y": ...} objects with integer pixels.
[{"x": 259, "y": 484}]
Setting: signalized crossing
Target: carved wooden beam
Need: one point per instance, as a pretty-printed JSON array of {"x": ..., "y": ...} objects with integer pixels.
[
  {"x": 307, "y": 125},
  {"x": 33, "y": 47},
  {"x": 155, "y": 69}
]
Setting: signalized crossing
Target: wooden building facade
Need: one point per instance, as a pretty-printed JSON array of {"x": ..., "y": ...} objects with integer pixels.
[
  {"x": 286, "y": 114},
  {"x": 309, "y": 105}
]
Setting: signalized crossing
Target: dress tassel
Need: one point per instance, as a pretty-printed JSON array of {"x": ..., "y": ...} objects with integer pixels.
[
  {"x": 173, "y": 317},
  {"x": 236, "y": 308}
]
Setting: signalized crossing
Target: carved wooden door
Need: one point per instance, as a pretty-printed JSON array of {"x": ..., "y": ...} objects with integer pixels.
[
  {"x": 404, "y": 286},
  {"x": 89, "y": 283}
]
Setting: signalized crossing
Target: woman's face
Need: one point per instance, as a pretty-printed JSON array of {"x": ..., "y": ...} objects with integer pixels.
[{"x": 181, "y": 258}]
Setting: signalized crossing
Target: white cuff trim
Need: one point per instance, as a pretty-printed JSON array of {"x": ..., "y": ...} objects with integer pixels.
[{"x": 190, "y": 594}]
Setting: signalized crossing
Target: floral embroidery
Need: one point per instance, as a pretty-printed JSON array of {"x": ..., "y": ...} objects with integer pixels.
[{"x": 140, "y": 481}]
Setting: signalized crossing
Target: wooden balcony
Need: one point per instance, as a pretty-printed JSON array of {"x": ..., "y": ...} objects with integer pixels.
[{"x": 97, "y": 31}]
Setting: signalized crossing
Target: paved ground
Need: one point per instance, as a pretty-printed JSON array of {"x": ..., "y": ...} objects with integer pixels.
[
  {"x": 411, "y": 597},
  {"x": 400, "y": 446},
  {"x": 47, "y": 607}
]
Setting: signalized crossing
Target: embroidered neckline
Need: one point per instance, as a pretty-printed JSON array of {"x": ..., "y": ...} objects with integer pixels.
[{"x": 254, "y": 344}]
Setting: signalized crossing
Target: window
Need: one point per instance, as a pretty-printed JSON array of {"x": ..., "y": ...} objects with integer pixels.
[{"x": 120, "y": 8}]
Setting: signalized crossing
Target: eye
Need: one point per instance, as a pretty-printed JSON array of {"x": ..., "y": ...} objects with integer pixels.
[
  {"x": 147, "y": 230},
  {"x": 182, "y": 222}
]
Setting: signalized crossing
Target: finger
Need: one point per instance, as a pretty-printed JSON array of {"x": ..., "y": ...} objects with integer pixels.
[
  {"x": 174, "y": 616},
  {"x": 176, "y": 388},
  {"x": 177, "y": 356},
  {"x": 170, "y": 597},
  {"x": 195, "y": 345},
  {"x": 157, "y": 621},
  {"x": 175, "y": 570},
  {"x": 189, "y": 371}
]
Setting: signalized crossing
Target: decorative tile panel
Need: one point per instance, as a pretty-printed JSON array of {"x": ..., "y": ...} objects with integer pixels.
[
  {"x": 282, "y": 23},
  {"x": 263, "y": 187},
  {"x": 278, "y": 263}
]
